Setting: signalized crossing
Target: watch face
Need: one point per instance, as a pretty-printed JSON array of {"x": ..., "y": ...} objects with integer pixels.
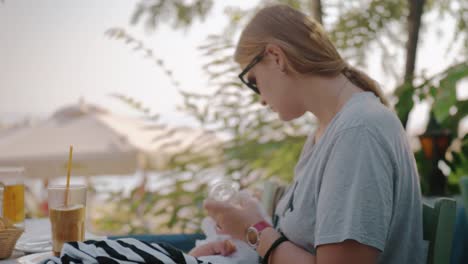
[{"x": 252, "y": 236}]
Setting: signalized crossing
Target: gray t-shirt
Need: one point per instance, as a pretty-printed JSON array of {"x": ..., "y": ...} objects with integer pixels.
[{"x": 359, "y": 182}]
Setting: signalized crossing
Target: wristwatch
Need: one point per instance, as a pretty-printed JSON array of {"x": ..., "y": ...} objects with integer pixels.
[{"x": 252, "y": 236}]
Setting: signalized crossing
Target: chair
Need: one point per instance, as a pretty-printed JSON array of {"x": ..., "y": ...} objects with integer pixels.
[
  {"x": 271, "y": 194},
  {"x": 438, "y": 225},
  {"x": 464, "y": 192},
  {"x": 460, "y": 237},
  {"x": 438, "y": 221}
]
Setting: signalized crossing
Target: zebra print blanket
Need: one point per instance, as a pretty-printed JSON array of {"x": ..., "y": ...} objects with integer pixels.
[{"x": 121, "y": 251}]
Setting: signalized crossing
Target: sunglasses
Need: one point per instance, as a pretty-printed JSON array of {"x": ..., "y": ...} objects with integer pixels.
[{"x": 251, "y": 85}]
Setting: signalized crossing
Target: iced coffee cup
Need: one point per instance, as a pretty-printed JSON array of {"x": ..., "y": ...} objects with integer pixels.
[{"x": 67, "y": 219}]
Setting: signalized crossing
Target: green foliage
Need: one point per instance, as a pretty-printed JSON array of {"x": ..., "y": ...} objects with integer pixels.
[
  {"x": 405, "y": 102},
  {"x": 257, "y": 144},
  {"x": 180, "y": 12},
  {"x": 138, "y": 46},
  {"x": 446, "y": 95},
  {"x": 441, "y": 90},
  {"x": 367, "y": 23},
  {"x": 137, "y": 106},
  {"x": 176, "y": 205},
  {"x": 423, "y": 170},
  {"x": 459, "y": 11},
  {"x": 273, "y": 157},
  {"x": 176, "y": 209},
  {"x": 459, "y": 162}
]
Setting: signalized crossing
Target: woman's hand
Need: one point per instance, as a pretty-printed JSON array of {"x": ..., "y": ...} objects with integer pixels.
[
  {"x": 224, "y": 247},
  {"x": 235, "y": 219}
]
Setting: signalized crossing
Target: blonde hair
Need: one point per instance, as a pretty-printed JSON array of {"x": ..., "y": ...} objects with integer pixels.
[{"x": 308, "y": 48}]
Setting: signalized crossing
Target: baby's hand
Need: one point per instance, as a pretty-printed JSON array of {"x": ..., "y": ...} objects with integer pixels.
[{"x": 224, "y": 247}]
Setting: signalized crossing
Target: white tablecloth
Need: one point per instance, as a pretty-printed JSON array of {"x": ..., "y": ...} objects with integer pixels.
[{"x": 34, "y": 228}]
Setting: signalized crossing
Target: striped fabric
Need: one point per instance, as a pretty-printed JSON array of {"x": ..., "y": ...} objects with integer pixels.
[{"x": 122, "y": 251}]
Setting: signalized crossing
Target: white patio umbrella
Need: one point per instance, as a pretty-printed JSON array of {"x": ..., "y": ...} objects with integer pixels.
[{"x": 104, "y": 143}]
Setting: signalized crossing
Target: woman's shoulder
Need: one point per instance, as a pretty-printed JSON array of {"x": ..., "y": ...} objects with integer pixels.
[{"x": 365, "y": 112}]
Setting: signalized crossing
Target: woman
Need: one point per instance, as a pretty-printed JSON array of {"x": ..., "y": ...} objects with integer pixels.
[{"x": 355, "y": 197}]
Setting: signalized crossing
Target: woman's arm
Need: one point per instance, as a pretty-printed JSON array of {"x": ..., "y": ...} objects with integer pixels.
[
  {"x": 348, "y": 252},
  {"x": 235, "y": 220},
  {"x": 286, "y": 252}
]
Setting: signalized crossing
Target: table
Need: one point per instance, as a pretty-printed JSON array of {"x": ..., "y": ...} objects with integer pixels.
[{"x": 38, "y": 227}]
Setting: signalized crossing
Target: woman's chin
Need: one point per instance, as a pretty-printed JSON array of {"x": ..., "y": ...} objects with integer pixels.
[
  {"x": 289, "y": 117},
  {"x": 285, "y": 118}
]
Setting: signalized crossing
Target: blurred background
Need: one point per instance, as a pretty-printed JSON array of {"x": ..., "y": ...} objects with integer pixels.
[{"x": 147, "y": 92}]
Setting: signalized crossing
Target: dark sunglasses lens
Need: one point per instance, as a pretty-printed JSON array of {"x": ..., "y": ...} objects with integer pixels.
[{"x": 254, "y": 88}]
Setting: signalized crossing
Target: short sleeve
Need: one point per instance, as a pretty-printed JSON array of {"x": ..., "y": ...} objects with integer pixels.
[{"x": 355, "y": 200}]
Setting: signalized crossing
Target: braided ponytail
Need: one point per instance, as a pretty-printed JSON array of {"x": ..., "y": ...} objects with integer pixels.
[{"x": 363, "y": 81}]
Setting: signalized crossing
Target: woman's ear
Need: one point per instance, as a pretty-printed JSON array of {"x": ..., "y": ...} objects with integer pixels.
[{"x": 278, "y": 56}]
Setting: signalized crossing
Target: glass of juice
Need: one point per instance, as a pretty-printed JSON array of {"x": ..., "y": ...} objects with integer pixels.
[
  {"x": 12, "y": 192},
  {"x": 67, "y": 219}
]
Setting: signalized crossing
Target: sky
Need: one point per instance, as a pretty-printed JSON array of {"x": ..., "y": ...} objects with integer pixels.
[{"x": 54, "y": 52}]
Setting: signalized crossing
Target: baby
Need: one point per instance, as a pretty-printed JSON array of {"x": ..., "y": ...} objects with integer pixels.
[
  {"x": 221, "y": 248},
  {"x": 214, "y": 244}
]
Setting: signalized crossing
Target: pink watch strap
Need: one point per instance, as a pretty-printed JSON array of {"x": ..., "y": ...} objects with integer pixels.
[{"x": 261, "y": 225}]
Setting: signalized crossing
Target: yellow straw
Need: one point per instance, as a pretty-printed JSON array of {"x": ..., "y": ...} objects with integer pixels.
[{"x": 68, "y": 175}]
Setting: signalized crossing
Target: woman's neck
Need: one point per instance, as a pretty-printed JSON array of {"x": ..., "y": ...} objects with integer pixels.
[{"x": 324, "y": 97}]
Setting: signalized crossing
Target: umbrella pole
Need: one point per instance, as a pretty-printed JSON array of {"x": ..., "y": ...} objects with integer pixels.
[{"x": 142, "y": 186}]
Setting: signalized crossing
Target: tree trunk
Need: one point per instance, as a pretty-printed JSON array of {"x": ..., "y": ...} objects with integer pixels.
[
  {"x": 315, "y": 7},
  {"x": 416, "y": 8}
]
